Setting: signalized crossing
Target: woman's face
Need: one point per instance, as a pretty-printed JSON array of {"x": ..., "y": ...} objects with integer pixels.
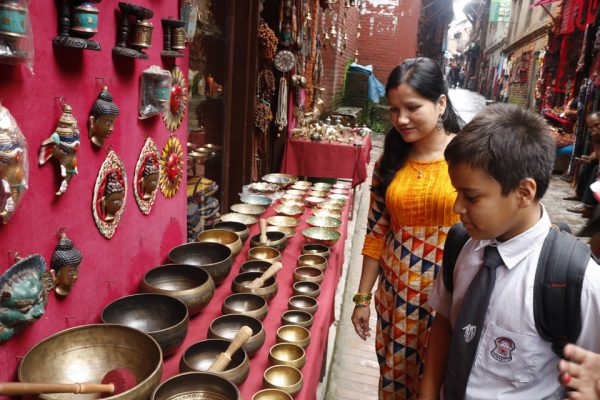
[{"x": 413, "y": 115}]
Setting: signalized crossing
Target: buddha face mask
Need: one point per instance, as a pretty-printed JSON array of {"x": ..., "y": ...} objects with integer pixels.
[{"x": 102, "y": 119}]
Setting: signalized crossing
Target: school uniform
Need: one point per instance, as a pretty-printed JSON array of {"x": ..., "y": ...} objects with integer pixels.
[{"x": 512, "y": 360}]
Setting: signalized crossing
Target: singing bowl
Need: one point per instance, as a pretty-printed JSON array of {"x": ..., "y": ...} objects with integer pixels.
[
  {"x": 264, "y": 187},
  {"x": 271, "y": 394},
  {"x": 276, "y": 240},
  {"x": 241, "y": 218},
  {"x": 304, "y": 184},
  {"x": 303, "y": 303},
  {"x": 339, "y": 191},
  {"x": 316, "y": 193},
  {"x": 192, "y": 285},
  {"x": 280, "y": 179},
  {"x": 288, "y": 232},
  {"x": 215, "y": 258},
  {"x": 88, "y": 352},
  {"x": 248, "y": 209},
  {"x": 324, "y": 236},
  {"x": 296, "y": 192},
  {"x": 324, "y": 222},
  {"x": 240, "y": 285},
  {"x": 295, "y": 334},
  {"x": 322, "y": 186},
  {"x": 314, "y": 200},
  {"x": 327, "y": 212},
  {"x": 264, "y": 253},
  {"x": 311, "y": 289},
  {"x": 331, "y": 205},
  {"x": 248, "y": 304},
  {"x": 196, "y": 385},
  {"x": 283, "y": 377},
  {"x": 256, "y": 200},
  {"x": 293, "y": 197},
  {"x": 227, "y": 326},
  {"x": 308, "y": 274},
  {"x": 162, "y": 317},
  {"x": 223, "y": 236},
  {"x": 290, "y": 211},
  {"x": 255, "y": 266},
  {"x": 200, "y": 356},
  {"x": 287, "y": 354},
  {"x": 340, "y": 185},
  {"x": 312, "y": 260},
  {"x": 297, "y": 317},
  {"x": 296, "y": 203},
  {"x": 317, "y": 249},
  {"x": 237, "y": 227},
  {"x": 339, "y": 197},
  {"x": 284, "y": 221}
]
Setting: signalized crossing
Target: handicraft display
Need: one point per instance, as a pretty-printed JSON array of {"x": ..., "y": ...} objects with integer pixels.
[
  {"x": 102, "y": 119},
  {"x": 173, "y": 38},
  {"x": 80, "y": 19},
  {"x": 173, "y": 116},
  {"x": 24, "y": 291},
  {"x": 14, "y": 170},
  {"x": 110, "y": 193},
  {"x": 171, "y": 160},
  {"x": 155, "y": 92},
  {"x": 132, "y": 45},
  {"x": 16, "y": 41},
  {"x": 147, "y": 176},
  {"x": 64, "y": 265}
]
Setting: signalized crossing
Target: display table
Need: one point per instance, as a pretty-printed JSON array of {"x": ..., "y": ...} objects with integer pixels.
[
  {"x": 323, "y": 318},
  {"x": 327, "y": 160}
]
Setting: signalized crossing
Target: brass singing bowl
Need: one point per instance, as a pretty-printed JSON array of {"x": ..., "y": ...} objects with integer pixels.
[
  {"x": 240, "y": 285},
  {"x": 287, "y": 354},
  {"x": 88, "y": 352},
  {"x": 162, "y": 317},
  {"x": 197, "y": 156},
  {"x": 339, "y": 197},
  {"x": 324, "y": 236},
  {"x": 283, "y": 377},
  {"x": 295, "y": 334},
  {"x": 264, "y": 187},
  {"x": 271, "y": 394},
  {"x": 331, "y": 205},
  {"x": 303, "y": 303},
  {"x": 215, "y": 258},
  {"x": 317, "y": 249},
  {"x": 296, "y": 192},
  {"x": 316, "y": 193},
  {"x": 280, "y": 179},
  {"x": 290, "y": 211},
  {"x": 305, "y": 184},
  {"x": 223, "y": 236},
  {"x": 256, "y": 200},
  {"x": 227, "y": 326},
  {"x": 339, "y": 191},
  {"x": 248, "y": 304},
  {"x": 276, "y": 240},
  {"x": 311, "y": 289},
  {"x": 297, "y": 203},
  {"x": 324, "y": 222},
  {"x": 312, "y": 260},
  {"x": 297, "y": 317},
  {"x": 196, "y": 385},
  {"x": 284, "y": 221},
  {"x": 322, "y": 186},
  {"x": 264, "y": 253},
  {"x": 192, "y": 285},
  {"x": 308, "y": 274},
  {"x": 234, "y": 226},
  {"x": 255, "y": 266},
  {"x": 241, "y": 218},
  {"x": 340, "y": 185},
  {"x": 327, "y": 212},
  {"x": 288, "y": 232},
  {"x": 314, "y": 200},
  {"x": 293, "y": 197},
  {"x": 200, "y": 356},
  {"x": 248, "y": 209}
]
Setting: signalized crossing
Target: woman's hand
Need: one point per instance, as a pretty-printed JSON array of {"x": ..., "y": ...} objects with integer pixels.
[
  {"x": 360, "y": 319},
  {"x": 581, "y": 373}
]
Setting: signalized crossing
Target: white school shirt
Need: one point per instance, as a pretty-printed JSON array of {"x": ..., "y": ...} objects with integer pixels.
[{"x": 512, "y": 360}]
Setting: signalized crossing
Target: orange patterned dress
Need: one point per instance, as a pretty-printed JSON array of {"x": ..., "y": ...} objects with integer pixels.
[{"x": 406, "y": 233}]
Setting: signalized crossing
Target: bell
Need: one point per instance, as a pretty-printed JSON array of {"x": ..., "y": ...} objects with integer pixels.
[
  {"x": 308, "y": 17},
  {"x": 332, "y": 31},
  {"x": 143, "y": 34}
]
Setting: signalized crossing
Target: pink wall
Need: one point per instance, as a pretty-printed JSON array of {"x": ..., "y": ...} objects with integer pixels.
[{"x": 110, "y": 268}]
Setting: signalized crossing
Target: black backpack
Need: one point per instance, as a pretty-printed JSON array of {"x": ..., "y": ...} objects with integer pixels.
[{"x": 558, "y": 280}]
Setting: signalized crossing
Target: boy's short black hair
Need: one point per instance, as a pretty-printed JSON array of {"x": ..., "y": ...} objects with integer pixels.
[{"x": 509, "y": 143}]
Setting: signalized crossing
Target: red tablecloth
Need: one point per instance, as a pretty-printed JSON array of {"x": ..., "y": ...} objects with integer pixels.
[
  {"x": 323, "y": 318},
  {"x": 327, "y": 160}
]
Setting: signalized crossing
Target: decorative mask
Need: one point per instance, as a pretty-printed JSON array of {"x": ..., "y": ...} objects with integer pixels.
[
  {"x": 173, "y": 116},
  {"x": 102, "y": 121},
  {"x": 147, "y": 176},
  {"x": 64, "y": 265},
  {"x": 14, "y": 171},
  {"x": 63, "y": 145},
  {"x": 23, "y": 295},
  {"x": 110, "y": 193},
  {"x": 171, "y": 159}
]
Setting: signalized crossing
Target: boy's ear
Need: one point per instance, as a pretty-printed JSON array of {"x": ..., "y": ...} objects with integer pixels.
[{"x": 526, "y": 192}]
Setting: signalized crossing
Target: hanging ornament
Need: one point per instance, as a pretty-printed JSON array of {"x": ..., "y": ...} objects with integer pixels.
[
  {"x": 147, "y": 176},
  {"x": 282, "y": 106},
  {"x": 110, "y": 194},
  {"x": 171, "y": 160},
  {"x": 284, "y": 60},
  {"x": 64, "y": 265},
  {"x": 173, "y": 116}
]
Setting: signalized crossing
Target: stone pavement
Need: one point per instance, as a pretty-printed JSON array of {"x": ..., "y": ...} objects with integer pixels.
[{"x": 352, "y": 369}]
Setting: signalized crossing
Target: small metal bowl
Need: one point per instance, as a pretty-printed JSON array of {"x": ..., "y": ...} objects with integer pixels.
[
  {"x": 304, "y": 184},
  {"x": 283, "y": 377},
  {"x": 311, "y": 289},
  {"x": 228, "y": 238},
  {"x": 227, "y": 326},
  {"x": 297, "y": 317},
  {"x": 324, "y": 222},
  {"x": 264, "y": 187},
  {"x": 316, "y": 193},
  {"x": 255, "y": 266},
  {"x": 303, "y": 303},
  {"x": 241, "y": 218},
  {"x": 296, "y": 192},
  {"x": 200, "y": 385},
  {"x": 256, "y": 200},
  {"x": 271, "y": 394},
  {"x": 290, "y": 211},
  {"x": 308, "y": 274},
  {"x": 312, "y": 260},
  {"x": 341, "y": 185},
  {"x": 280, "y": 179},
  {"x": 200, "y": 356},
  {"x": 264, "y": 253},
  {"x": 297, "y": 203},
  {"x": 288, "y": 232},
  {"x": 215, "y": 258},
  {"x": 248, "y": 304},
  {"x": 317, "y": 249},
  {"x": 313, "y": 200},
  {"x": 284, "y": 221},
  {"x": 324, "y": 236},
  {"x": 240, "y": 285},
  {"x": 237, "y": 227},
  {"x": 248, "y": 209},
  {"x": 331, "y": 205},
  {"x": 322, "y": 186},
  {"x": 340, "y": 197},
  {"x": 287, "y": 354},
  {"x": 295, "y": 334},
  {"x": 276, "y": 240},
  {"x": 293, "y": 197},
  {"x": 327, "y": 212}
]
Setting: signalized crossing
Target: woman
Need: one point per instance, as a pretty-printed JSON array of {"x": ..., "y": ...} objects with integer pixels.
[{"x": 411, "y": 212}]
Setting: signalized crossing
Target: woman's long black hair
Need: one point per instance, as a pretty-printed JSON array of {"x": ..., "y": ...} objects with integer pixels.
[{"x": 425, "y": 77}]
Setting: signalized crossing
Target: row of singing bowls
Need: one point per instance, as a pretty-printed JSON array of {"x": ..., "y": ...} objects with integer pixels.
[
  {"x": 297, "y": 317},
  {"x": 308, "y": 274},
  {"x": 237, "y": 227},
  {"x": 326, "y": 237},
  {"x": 248, "y": 304},
  {"x": 317, "y": 249},
  {"x": 264, "y": 253},
  {"x": 283, "y": 377},
  {"x": 248, "y": 209},
  {"x": 303, "y": 303},
  {"x": 192, "y": 285},
  {"x": 311, "y": 289},
  {"x": 200, "y": 356},
  {"x": 287, "y": 354},
  {"x": 227, "y": 326},
  {"x": 196, "y": 385},
  {"x": 312, "y": 260},
  {"x": 241, "y": 281},
  {"x": 162, "y": 317},
  {"x": 222, "y": 236},
  {"x": 215, "y": 258},
  {"x": 275, "y": 239}
]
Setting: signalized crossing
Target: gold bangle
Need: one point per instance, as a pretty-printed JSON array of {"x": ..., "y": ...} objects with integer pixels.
[{"x": 363, "y": 299}]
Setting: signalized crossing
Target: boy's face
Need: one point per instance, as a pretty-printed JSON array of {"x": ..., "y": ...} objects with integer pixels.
[{"x": 483, "y": 210}]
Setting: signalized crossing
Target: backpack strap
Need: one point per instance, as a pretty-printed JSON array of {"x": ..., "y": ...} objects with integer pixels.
[
  {"x": 557, "y": 288},
  {"x": 455, "y": 240}
]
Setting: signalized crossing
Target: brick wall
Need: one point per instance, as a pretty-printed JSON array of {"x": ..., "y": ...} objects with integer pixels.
[{"x": 523, "y": 93}]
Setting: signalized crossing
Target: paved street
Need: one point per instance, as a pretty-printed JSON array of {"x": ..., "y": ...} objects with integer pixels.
[{"x": 353, "y": 372}]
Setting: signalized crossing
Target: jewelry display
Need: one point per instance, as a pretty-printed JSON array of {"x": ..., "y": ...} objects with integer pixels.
[
  {"x": 80, "y": 19},
  {"x": 266, "y": 84},
  {"x": 267, "y": 41},
  {"x": 155, "y": 92},
  {"x": 262, "y": 117},
  {"x": 142, "y": 31},
  {"x": 63, "y": 146},
  {"x": 64, "y": 265},
  {"x": 171, "y": 160},
  {"x": 173, "y": 115},
  {"x": 110, "y": 195},
  {"x": 102, "y": 119},
  {"x": 173, "y": 38},
  {"x": 147, "y": 176},
  {"x": 16, "y": 41}
]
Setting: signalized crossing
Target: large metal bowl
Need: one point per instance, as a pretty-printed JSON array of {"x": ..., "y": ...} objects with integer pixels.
[
  {"x": 293, "y": 334},
  {"x": 227, "y": 326},
  {"x": 215, "y": 258},
  {"x": 241, "y": 218},
  {"x": 297, "y": 203},
  {"x": 249, "y": 304},
  {"x": 240, "y": 285},
  {"x": 339, "y": 197},
  {"x": 192, "y": 285},
  {"x": 223, "y": 236},
  {"x": 196, "y": 385},
  {"x": 200, "y": 356},
  {"x": 256, "y": 199},
  {"x": 290, "y": 211},
  {"x": 234, "y": 226},
  {"x": 342, "y": 185},
  {"x": 264, "y": 253},
  {"x": 283, "y": 377},
  {"x": 316, "y": 193},
  {"x": 304, "y": 184},
  {"x": 248, "y": 209},
  {"x": 311, "y": 289},
  {"x": 324, "y": 222},
  {"x": 331, "y": 205},
  {"x": 284, "y": 221},
  {"x": 162, "y": 317},
  {"x": 324, "y": 236},
  {"x": 86, "y": 353}
]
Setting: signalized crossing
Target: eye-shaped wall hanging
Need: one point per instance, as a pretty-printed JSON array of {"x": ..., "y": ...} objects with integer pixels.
[
  {"x": 173, "y": 116},
  {"x": 110, "y": 193},
  {"x": 171, "y": 160},
  {"x": 147, "y": 176}
]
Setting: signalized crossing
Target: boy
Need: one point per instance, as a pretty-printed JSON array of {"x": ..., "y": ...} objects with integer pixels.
[{"x": 500, "y": 165}]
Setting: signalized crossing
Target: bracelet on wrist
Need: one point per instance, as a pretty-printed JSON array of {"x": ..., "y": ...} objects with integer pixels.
[{"x": 362, "y": 299}]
